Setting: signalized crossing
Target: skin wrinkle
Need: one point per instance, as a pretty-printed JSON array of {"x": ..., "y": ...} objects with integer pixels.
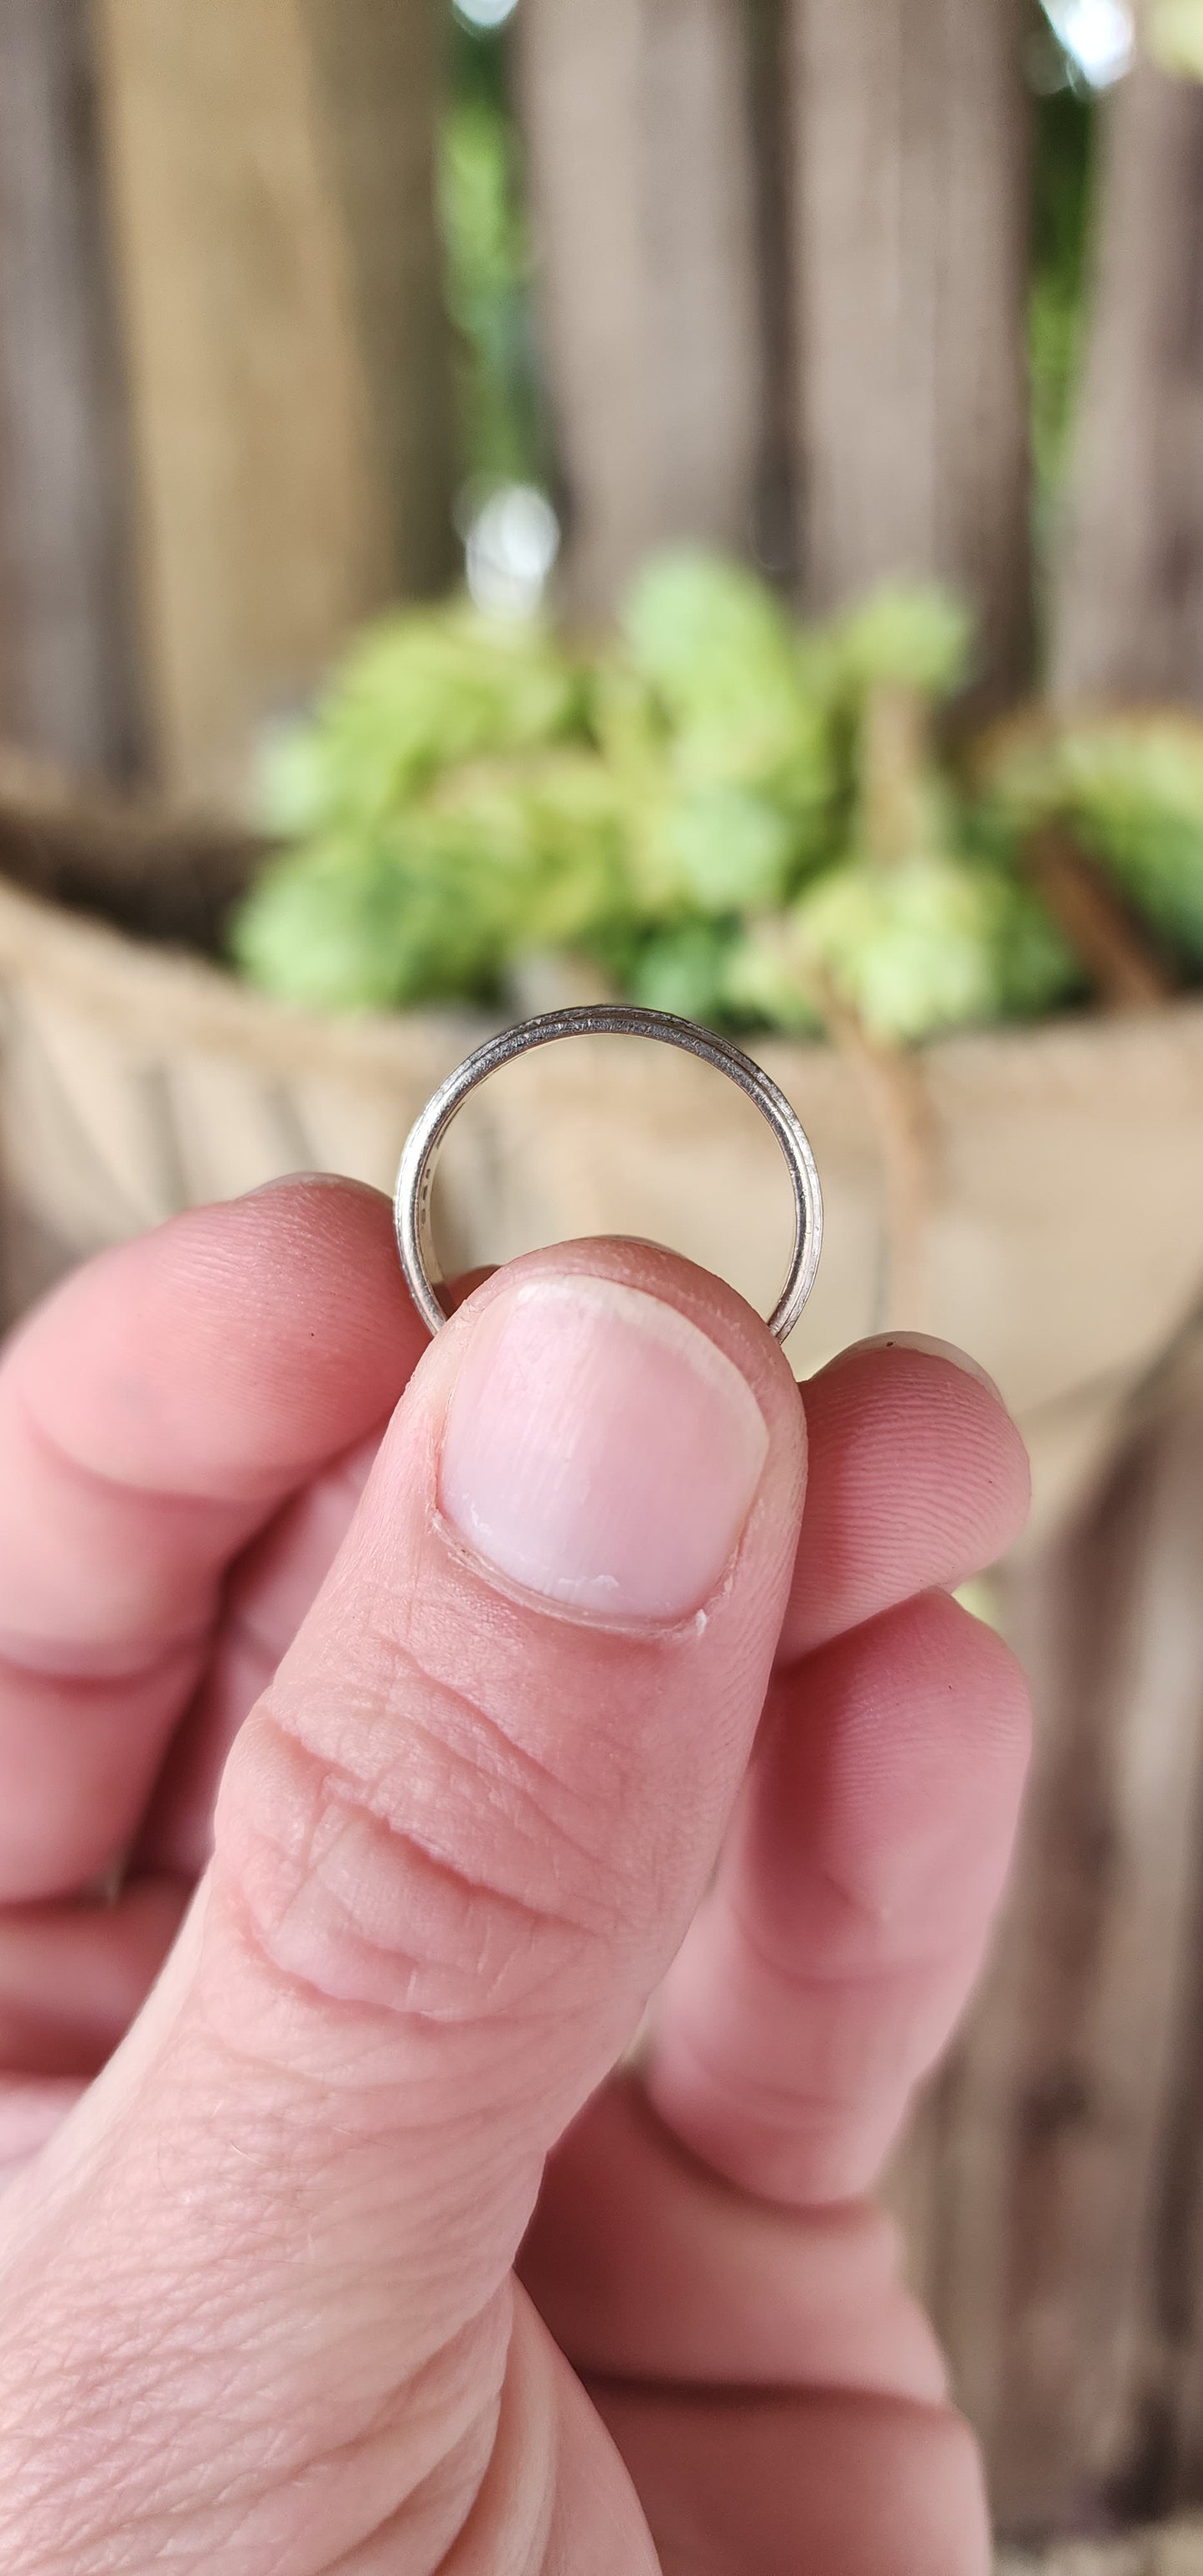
[
  {"x": 517, "y": 1769},
  {"x": 394, "y": 2415},
  {"x": 103, "y": 1481},
  {"x": 527, "y": 2420},
  {"x": 407, "y": 2096},
  {"x": 471, "y": 2430},
  {"x": 771, "y": 2098},
  {"x": 518, "y": 1766},
  {"x": 774, "y": 2397},
  {"x": 719, "y": 2186},
  {"x": 617, "y": 1759},
  {"x": 154, "y": 2533},
  {"x": 523, "y": 2035},
  {"x": 26, "y": 1673},
  {"x": 212, "y": 2300},
  {"x": 305, "y": 1857},
  {"x": 389, "y": 2536},
  {"x": 617, "y": 1767},
  {"x": 828, "y": 1972},
  {"x": 312, "y": 2088}
]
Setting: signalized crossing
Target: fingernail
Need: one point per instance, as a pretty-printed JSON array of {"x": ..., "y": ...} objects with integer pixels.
[
  {"x": 600, "y": 1450},
  {"x": 933, "y": 1348}
]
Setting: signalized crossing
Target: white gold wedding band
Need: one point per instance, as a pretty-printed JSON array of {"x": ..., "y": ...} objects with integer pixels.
[{"x": 415, "y": 1180}]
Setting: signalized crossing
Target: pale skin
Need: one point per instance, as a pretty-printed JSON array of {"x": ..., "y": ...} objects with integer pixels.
[{"x": 603, "y": 1851}]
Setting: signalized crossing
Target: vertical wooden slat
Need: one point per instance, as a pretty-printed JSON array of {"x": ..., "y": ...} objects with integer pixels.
[
  {"x": 1128, "y": 602},
  {"x": 637, "y": 123},
  {"x": 271, "y": 168},
  {"x": 66, "y": 682},
  {"x": 911, "y": 151},
  {"x": 1178, "y": 2266},
  {"x": 776, "y": 540}
]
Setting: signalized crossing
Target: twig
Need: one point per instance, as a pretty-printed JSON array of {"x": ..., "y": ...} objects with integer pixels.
[
  {"x": 891, "y": 1079},
  {"x": 1125, "y": 966}
]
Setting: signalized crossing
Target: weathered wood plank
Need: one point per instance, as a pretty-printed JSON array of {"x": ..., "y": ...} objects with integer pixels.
[
  {"x": 638, "y": 128},
  {"x": 1128, "y": 598},
  {"x": 271, "y": 171},
  {"x": 66, "y": 679},
  {"x": 910, "y": 127}
]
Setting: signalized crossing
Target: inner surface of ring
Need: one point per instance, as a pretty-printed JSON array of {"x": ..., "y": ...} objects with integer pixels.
[{"x": 592, "y": 1139}]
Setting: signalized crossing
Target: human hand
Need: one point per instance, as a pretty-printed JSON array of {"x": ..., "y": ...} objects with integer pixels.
[{"x": 545, "y": 1731}]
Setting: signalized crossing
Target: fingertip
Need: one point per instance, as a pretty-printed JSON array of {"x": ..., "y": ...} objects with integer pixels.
[
  {"x": 918, "y": 1479},
  {"x": 824, "y": 1974},
  {"x": 283, "y": 1308},
  {"x": 932, "y": 1347},
  {"x": 908, "y": 1769}
]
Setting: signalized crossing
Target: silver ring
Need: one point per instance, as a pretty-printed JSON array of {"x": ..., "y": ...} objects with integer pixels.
[{"x": 415, "y": 1180}]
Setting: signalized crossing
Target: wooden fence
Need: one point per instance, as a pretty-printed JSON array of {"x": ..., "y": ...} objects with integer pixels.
[
  {"x": 781, "y": 282},
  {"x": 1053, "y": 2183},
  {"x": 781, "y": 270}
]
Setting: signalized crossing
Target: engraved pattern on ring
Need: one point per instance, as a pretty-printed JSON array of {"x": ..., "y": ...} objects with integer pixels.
[{"x": 415, "y": 1179}]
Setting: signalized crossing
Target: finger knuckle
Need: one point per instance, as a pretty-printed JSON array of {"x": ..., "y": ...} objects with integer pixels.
[{"x": 365, "y": 1891}]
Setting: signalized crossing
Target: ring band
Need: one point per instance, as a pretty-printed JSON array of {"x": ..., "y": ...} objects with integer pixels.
[{"x": 415, "y": 1180}]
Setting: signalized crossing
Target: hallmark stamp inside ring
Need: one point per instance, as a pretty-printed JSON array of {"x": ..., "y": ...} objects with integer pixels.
[{"x": 415, "y": 1179}]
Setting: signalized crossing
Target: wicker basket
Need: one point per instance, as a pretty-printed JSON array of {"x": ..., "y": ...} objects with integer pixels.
[{"x": 1034, "y": 1195}]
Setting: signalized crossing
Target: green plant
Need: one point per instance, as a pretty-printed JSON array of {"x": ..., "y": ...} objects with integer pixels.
[
  {"x": 1130, "y": 789},
  {"x": 732, "y": 816}
]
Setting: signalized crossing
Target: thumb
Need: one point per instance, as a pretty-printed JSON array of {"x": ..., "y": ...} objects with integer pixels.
[{"x": 260, "y": 2278}]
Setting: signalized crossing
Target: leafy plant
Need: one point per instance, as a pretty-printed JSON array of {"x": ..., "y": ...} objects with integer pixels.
[
  {"x": 1130, "y": 789},
  {"x": 732, "y": 816}
]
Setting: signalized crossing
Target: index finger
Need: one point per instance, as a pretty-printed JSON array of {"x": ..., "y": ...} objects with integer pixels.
[{"x": 154, "y": 1414}]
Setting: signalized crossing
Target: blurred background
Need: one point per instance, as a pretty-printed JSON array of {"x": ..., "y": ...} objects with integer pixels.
[{"x": 522, "y": 500}]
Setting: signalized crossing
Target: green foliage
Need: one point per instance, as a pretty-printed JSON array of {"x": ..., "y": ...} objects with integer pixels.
[
  {"x": 487, "y": 261},
  {"x": 685, "y": 971},
  {"x": 729, "y": 696},
  {"x": 1063, "y": 164},
  {"x": 715, "y": 850},
  {"x": 762, "y": 984},
  {"x": 416, "y": 694},
  {"x": 732, "y": 817},
  {"x": 1130, "y": 788},
  {"x": 430, "y": 902},
  {"x": 904, "y": 635},
  {"x": 368, "y": 923},
  {"x": 487, "y": 268},
  {"x": 934, "y": 943}
]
